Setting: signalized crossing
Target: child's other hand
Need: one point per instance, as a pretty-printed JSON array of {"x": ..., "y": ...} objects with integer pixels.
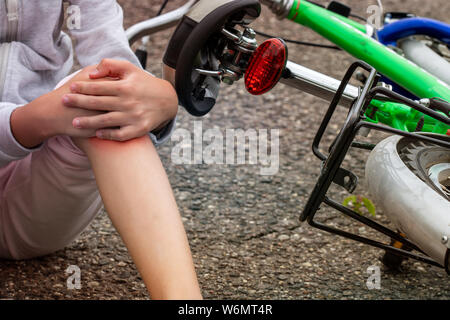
[
  {"x": 135, "y": 104},
  {"x": 54, "y": 118}
]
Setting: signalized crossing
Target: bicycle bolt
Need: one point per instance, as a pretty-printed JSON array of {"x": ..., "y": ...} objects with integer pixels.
[
  {"x": 444, "y": 239},
  {"x": 249, "y": 33}
]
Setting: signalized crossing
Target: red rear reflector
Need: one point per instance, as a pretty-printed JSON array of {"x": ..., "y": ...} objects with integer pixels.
[{"x": 266, "y": 66}]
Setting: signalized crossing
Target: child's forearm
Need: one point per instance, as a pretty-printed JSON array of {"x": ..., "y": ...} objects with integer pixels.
[
  {"x": 27, "y": 122},
  {"x": 47, "y": 116},
  {"x": 140, "y": 203}
]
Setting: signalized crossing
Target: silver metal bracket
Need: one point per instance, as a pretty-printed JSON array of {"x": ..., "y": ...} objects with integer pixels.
[{"x": 279, "y": 7}]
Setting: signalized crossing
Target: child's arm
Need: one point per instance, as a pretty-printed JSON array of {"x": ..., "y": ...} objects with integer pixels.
[
  {"x": 46, "y": 116},
  {"x": 23, "y": 128},
  {"x": 100, "y": 34}
]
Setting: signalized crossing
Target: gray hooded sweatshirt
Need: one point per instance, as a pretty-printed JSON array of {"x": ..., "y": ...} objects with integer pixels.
[{"x": 35, "y": 54}]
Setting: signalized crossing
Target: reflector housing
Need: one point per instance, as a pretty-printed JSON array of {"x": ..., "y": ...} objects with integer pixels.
[{"x": 266, "y": 66}]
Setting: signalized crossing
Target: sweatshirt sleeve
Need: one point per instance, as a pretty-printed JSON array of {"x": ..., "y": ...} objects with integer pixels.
[
  {"x": 10, "y": 148},
  {"x": 101, "y": 35}
]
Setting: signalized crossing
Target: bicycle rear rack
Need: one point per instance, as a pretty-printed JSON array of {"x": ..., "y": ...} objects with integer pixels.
[{"x": 333, "y": 173}]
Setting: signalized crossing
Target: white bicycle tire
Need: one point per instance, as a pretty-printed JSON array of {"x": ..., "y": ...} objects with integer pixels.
[{"x": 416, "y": 209}]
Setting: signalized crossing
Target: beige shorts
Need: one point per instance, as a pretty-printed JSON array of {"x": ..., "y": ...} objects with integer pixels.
[{"x": 47, "y": 199}]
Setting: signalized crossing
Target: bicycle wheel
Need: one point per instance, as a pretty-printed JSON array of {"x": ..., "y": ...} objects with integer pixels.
[
  {"x": 410, "y": 181},
  {"x": 429, "y": 163}
]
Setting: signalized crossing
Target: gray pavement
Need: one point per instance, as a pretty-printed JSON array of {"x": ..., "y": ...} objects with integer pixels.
[{"x": 246, "y": 238}]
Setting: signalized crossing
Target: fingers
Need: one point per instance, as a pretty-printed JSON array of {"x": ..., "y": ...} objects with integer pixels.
[
  {"x": 112, "y": 68},
  {"x": 106, "y": 120},
  {"x": 97, "y": 103},
  {"x": 122, "y": 134},
  {"x": 100, "y": 88}
]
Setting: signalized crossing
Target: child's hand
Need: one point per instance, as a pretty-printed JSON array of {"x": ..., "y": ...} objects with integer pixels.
[
  {"x": 62, "y": 117},
  {"x": 135, "y": 104}
]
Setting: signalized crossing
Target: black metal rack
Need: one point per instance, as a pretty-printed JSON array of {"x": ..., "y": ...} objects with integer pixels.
[{"x": 333, "y": 173}]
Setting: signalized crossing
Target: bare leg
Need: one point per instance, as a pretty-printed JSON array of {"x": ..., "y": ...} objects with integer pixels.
[{"x": 139, "y": 200}]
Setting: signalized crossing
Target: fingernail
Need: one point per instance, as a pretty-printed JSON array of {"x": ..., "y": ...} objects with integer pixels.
[
  {"x": 95, "y": 72},
  {"x": 76, "y": 123},
  {"x": 100, "y": 135},
  {"x": 66, "y": 99},
  {"x": 73, "y": 87}
]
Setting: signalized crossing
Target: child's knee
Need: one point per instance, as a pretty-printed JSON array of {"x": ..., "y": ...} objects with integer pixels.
[{"x": 90, "y": 145}]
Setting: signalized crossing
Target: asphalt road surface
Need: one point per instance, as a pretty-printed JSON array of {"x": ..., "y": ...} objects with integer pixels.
[{"x": 244, "y": 229}]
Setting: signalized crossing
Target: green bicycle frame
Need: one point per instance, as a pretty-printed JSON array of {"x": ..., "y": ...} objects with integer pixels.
[{"x": 351, "y": 37}]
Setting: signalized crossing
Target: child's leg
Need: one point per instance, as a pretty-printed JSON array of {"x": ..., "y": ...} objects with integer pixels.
[
  {"x": 49, "y": 197},
  {"x": 138, "y": 197}
]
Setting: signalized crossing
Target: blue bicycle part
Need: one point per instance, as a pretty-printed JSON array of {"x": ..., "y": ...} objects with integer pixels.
[
  {"x": 403, "y": 28},
  {"x": 394, "y": 31}
]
